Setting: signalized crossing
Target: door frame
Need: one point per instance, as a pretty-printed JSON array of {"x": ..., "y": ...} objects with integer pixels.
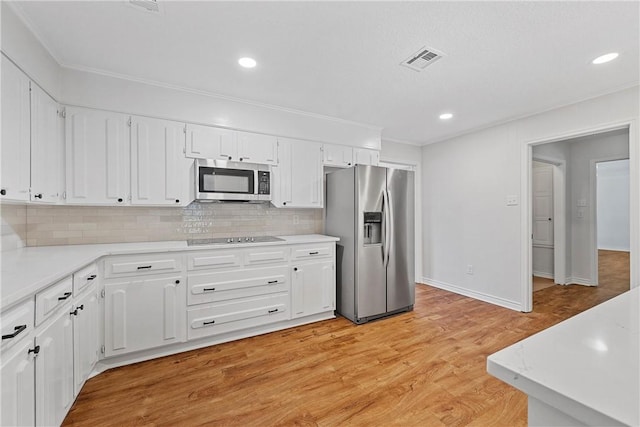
[
  {"x": 526, "y": 217},
  {"x": 559, "y": 217}
]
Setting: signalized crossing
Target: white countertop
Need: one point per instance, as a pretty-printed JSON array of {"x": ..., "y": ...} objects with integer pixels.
[
  {"x": 586, "y": 366},
  {"x": 27, "y": 270}
]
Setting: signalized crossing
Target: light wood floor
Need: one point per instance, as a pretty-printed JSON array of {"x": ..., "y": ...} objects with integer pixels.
[{"x": 423, "y": 368}]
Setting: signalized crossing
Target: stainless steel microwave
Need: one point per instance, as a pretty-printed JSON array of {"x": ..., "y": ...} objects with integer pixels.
[{"x": 225, "y": 181}]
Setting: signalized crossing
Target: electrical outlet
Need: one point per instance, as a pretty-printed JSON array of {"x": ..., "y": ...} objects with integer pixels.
[{"x": 470, "y": 269}]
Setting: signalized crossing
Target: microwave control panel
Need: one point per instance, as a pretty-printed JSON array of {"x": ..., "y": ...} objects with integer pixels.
[{"x": 263, "y": 182}]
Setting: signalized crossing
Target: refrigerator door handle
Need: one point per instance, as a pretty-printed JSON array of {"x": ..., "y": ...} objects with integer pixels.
[{"x": 388, "y": 219}]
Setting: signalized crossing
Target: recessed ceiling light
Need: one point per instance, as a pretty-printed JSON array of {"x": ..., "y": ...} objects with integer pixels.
[
  {"x": 247, "y": 62},
  {"x": 446, "y": 116},
  {"x": 605, "y": 58}
]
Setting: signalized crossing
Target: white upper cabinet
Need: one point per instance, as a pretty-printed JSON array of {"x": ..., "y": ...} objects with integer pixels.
[
  {"x": 15, "y": 146},
  {"x": 160, "y": 173},
  {"x": 46, "y": 147},
  {"x": 365, "y": 156},
  {"x": 337, "y": 155},
  {"x": 257, "y": 148},
  {"x": 207, "y": 142},
  {"x": 97, "y": 157},
  {"x": 298, "y": 177}
]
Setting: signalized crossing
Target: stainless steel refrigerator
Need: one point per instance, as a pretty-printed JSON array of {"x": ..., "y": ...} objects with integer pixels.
[{"x": 371, "y": 209}]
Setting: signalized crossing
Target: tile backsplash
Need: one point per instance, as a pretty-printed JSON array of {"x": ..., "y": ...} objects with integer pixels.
[{"x": 39, "y": 225}]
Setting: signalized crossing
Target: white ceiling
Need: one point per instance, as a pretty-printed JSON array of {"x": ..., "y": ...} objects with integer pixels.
[{"x": 341, "y": 59}]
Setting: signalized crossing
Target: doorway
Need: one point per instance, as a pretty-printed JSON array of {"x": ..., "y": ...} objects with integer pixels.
[
  {"x": 612, "y": 223},
  {"x": 580, "y": 259}
]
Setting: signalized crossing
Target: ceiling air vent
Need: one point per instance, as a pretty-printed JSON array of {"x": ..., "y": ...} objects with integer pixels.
[
  {"x": 422, "y": 58},
  {"x": 150, "y": 5}
]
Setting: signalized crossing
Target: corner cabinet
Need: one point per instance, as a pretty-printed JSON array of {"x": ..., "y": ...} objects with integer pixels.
[
  {"x": 298, "y": 176},
  {"x": 97, "y": 157},
  {"x": 160, "y": 173}
]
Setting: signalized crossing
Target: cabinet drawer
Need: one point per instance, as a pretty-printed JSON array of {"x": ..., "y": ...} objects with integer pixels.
[
  {"x": 53, "y": 297},
  {"x": 321, "y": 250},
  {"x": 217, "y": 259},
  {"x": 222, "y": 286},
  {"x": 265, "y": 255},
  {"x": 16, "y": 323},
  {"x": 236, "y": 315},
  {"x": 123, "y": 266},
  {"x": 84, "y": 277}
]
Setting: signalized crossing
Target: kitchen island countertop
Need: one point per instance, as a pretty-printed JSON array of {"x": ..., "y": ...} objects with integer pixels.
[{"x": 585, "y": 368}]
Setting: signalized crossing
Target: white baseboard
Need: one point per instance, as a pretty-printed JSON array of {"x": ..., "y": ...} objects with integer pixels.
[
  {"x": 580, "y": 281},
  {"x": 543, "y": 274},
  {"x": 502, "y": 302}
]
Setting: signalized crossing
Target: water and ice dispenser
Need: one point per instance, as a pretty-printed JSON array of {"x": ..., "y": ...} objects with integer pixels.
[{"x": 372, "y": 228}]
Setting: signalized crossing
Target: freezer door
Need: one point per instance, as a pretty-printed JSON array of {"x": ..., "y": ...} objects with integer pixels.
[
  {"x": 401, "y": 264},
  {"x": 370, "y": 289}
]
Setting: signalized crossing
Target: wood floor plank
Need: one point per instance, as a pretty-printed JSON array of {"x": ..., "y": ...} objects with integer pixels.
[{"x": 423, "y": 368}]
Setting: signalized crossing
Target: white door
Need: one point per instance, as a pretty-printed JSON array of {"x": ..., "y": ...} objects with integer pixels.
[
  {"x": 160, "y": 174},
  {"x": 46, "y": 147},
  {"x": 143, "y": 314},
  {"x": 257, "y": 148},
  {"x": 15, "y": 144},
  {"x": 86, "y": 344},
  {"x": 17, "y": 374},
  {"x": 208, "y": 142},
  {"x": 543, "y": 205},
  {"x": 312, "y": 288},
  {"x": 97, "y": 157},
  {"x": 54, "y": 370}
]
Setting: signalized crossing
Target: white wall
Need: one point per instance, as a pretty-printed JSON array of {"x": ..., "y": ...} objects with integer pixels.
[
  {"x": 613, "y": 205},
  {"x": 394, "y": 152},
  {"x": 21, "y": 46},
  {"x": 465, "y": 182}
]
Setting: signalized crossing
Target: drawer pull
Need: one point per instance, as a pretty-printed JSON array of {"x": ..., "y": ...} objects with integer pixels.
[
  {"x": 35, "y": 350},
  {"x": 210, "y": 322},
  {"x": 65, "y": 296},
  {"x": 93, "y": 276},
  {"x": 275, "y": 310},
  {"x": 144, "y": 267},
  {"x": 15, "y": 333},
  {"x": 271, "y": 282},
  {"x": 314, "y": 253},
  {"x": 208, "y": 289}
]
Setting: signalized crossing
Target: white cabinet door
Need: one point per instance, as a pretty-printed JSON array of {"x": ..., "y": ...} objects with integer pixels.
[
  {"x": 257, "y": 148},
  {"x": 97, "y": 157},
  {"x": 364, "y": 156},
  {"x": 298, "y": 177},
  {"x": 17, "y": 374},
  {"x": 337, "y": 155},
  {"x": 86, "y": 344},
  {"x": 143, "y": 314},
  {"x": 160, "y": 174},
  {"x": 207, "y": 142},
  {"x": 46, "y": 147},
  {"x": 15, "y": 144},
  {"x": 313, "y": 288},
  {"x": 54, "y": 370}
]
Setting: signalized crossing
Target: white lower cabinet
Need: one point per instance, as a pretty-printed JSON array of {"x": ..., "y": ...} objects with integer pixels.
[
  {"x": 144, "y": 313},
  {"x": 86, "y": 342},
  {"x": 54, "y": 369},
  {"x": 313, "y": 288},
  {"x": 17, "y": 402}
]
